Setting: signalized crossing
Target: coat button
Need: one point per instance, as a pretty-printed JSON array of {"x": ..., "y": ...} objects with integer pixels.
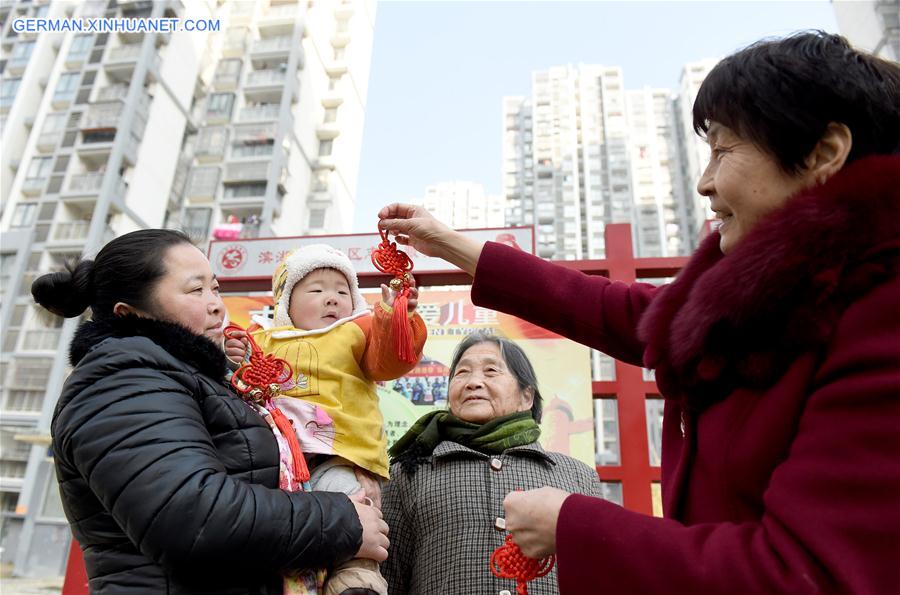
[
  {"x": 496, "y": 464},
  {"x": 500, "y": 524}
]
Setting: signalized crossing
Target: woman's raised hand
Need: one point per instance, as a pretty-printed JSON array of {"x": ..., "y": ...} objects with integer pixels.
[
  {"x": 412, "y": 225},
  {"x": 374, "y": 539}
]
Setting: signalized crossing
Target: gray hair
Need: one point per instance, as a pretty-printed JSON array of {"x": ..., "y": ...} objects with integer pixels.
[{"x": 515, "y": 359}]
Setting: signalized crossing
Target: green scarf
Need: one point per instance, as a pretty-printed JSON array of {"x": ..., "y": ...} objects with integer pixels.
[{"x": 492, "y": 437}]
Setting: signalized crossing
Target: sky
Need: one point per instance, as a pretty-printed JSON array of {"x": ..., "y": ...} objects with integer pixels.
[{"x": 440, "y": 71}]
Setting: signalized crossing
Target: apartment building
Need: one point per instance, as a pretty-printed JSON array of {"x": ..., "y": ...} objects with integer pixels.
[
  {"x": 464, "y": 205},
  {"x": 659, "y": 221},
  {"x": 565, "y": 159},
  {"x": 253, "y": 127}
]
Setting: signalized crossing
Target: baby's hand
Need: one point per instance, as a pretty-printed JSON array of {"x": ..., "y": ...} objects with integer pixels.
[
  {"x": 236, "y": 347},
  {"x": 388, "y": 295}
]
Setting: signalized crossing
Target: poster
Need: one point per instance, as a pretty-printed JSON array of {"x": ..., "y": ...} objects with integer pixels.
[{"x": 562, "y": 367}]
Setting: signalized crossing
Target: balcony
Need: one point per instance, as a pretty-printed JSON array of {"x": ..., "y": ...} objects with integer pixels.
[
  {"x": 16, "y": 65},
  {"x": 278, "y": 19},
  {"x": 336, "y": 68},
  {"x": 121, "y": 61},
  {"x": 271, "y": 47},
  {"x": 41, "y": 340},
  {"x": 259, "y": 113},
  {"x": 253, "y": 171},
  {"x": 265, "y": 86},
  {"x": 48, "y": 141},
  {"x": 34, "y": 186},
  {"x": 226, "y": 81},
  {"x": 70, "y": 232},
  {"x": 123, "y": 54},
  {"x": 266, "y": 78},
  {"x": 328, "y": 130},
  {"x": 112, "y": 93},
  {"x": 237, "y": 40},
  {"x": 62, "y": 99},
  {"x": 84, "y": 184}
]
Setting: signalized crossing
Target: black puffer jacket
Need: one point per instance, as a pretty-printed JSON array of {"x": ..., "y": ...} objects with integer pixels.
[{"x": 169, "y": 481}]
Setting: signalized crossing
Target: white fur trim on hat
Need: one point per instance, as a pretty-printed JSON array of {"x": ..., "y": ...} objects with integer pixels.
[{"x": 305, "y": 260}]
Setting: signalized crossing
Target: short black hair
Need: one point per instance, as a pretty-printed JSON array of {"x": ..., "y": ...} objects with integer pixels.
[
  {"x": 516, "y": 360},
  {"x": 781, "y": 94},
  {"x": 126, "y": 269}
]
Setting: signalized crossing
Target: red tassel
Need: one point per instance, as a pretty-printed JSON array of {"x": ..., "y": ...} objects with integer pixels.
[
  {"x": 403, "y": 332},
  {"x": 301, "y": 471}
]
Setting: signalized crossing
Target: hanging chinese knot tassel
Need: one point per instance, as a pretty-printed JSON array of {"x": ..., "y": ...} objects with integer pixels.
[
  {"x": 258, "y": 380},
  {"x": 388, "y": 259}
]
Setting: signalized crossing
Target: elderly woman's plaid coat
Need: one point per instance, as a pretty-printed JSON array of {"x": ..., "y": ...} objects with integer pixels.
[{"x": 442, "y": 517}]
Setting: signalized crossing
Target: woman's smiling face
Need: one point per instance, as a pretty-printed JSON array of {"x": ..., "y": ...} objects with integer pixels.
[{"x": 743, "y": 184}]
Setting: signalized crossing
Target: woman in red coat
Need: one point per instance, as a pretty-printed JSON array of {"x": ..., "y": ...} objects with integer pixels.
[{"x": 777, "y": 348}]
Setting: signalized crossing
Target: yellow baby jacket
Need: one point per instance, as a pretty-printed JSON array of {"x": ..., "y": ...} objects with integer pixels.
[{"x": 333, "y": 404}]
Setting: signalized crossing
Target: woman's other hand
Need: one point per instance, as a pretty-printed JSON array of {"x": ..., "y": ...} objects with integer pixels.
[
  {"x": 531, "y": 518},
  {"x": 374, "y": 539},
  {"x": 388, "y": 295},
  {"x": 412, "y": 225},
  {"x": 371, "y": 487},
  {"x": 236, "y": 346}
]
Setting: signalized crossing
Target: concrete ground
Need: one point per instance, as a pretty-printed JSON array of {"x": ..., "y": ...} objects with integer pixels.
[{"x": 29, "y": 586}]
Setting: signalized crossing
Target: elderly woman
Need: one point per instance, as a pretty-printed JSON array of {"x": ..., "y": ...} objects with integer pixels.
[
  {"x": 777, "y": 348},
  {"x": 453, "y": 468},
  {"x": 169, "y": 480}
]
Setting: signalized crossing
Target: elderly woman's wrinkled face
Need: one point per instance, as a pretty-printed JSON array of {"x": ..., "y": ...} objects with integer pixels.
[
  {"x": 483, "y": 387},
  {"x": 743, "y": 184}
]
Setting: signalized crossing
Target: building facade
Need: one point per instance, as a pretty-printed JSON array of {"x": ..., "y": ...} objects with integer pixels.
[
  {"x": 464, "y": 205},
  {"x": 251, "y": 126},
  {"x": 583, "y": 152},
  {"x": 871, "y": 25}
]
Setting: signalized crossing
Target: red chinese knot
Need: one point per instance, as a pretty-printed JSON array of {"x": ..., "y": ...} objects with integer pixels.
[
  {"x": 508, "y": 561},
  {"x": 387, "y": 258}
]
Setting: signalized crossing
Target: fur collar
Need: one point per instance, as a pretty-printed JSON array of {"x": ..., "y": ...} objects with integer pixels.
[
  {"x": 741, "y": 319},
  {"x": 192, "y": 349}
]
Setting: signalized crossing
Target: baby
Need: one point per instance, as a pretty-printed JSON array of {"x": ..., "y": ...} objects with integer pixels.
[{"x": 337, "y": 349}]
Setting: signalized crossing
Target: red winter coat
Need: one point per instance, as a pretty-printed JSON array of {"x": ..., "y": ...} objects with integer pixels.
[{"x": 780, "y": 363}]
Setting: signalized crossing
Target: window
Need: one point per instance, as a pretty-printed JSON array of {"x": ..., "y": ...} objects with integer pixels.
[
  {"x": 316, "y": 218},
  {"x": 252, "y": 150},
  {"x": 196, "y": 222},
  {"x": 12, "y": 469},
  {"x": 245, "y": 190},
  {"x": 80, "y": 47},
  {"x": 30, "y": 373},
  {"x": 219, "y": 105},
  {"x": 67, "y": 85},
  {"x": 40, "y": 167},
  {"x": 22, "y": 52},
  {"x": 23, "y": 400},
  {"x": 331, "y": 114},
  {"x": 8, "y": 89},
  {"x": 325, "y": 147},
  {"x": 24, "y": 214},
  {"x": 54, "y": 123}
]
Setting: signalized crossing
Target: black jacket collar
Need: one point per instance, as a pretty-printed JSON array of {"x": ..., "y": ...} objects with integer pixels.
[{"x": 192, "y": 349}]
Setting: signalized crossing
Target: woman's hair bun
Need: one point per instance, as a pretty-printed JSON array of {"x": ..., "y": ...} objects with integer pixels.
[{"x": 66, "y": 293}]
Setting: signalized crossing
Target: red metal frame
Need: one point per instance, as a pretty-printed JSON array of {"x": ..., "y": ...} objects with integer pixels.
[{"x": 629, "y": 388}]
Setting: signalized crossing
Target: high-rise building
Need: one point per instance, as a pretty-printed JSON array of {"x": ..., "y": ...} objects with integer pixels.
[
  {"x": 250, "y": 127},
  {"x": 694, "y": 152},
  {"x": 659, "y": 219},
  {"x": 566, "y": 159},
  {"x": 582, "y": 152},
  {"x": 871, "y": 25},
  {"x": 464, "y": 205}
]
